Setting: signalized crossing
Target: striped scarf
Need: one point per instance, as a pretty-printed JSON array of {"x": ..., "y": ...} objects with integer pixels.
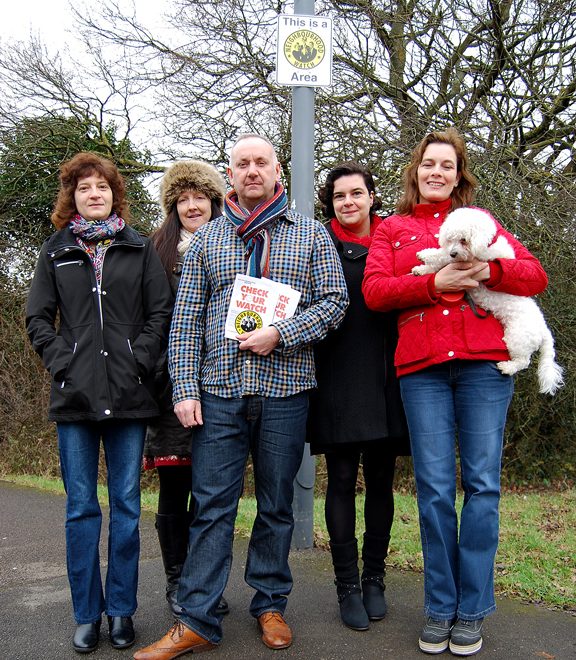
[{"x": 254, "y": 228}]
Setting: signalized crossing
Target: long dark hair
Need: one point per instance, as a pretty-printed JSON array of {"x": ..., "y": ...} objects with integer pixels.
[
  {"x": 167, "y": 236},
  {"x": 326, "y": 192}
]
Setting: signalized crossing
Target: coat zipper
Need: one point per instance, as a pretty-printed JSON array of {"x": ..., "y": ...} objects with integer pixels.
[{"x": 414, "y": 316}]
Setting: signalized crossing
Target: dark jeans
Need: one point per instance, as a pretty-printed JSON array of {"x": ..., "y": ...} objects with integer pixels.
[{"x": 273, "y": 430}]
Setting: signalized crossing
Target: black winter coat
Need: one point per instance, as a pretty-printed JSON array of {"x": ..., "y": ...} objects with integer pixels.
[
  {"x": 358, "y": 395},
  {"x": 165, "y": 435},
  {"x": 102, "y": 352}
]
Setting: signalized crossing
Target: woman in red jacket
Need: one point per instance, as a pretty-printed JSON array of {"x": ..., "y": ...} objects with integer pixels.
[{"x": 446, "y": 360}]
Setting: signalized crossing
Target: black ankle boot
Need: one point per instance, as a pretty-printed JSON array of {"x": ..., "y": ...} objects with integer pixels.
[
  {"x": 373, "y": 596},
  {"x": 345, "y": 560},
  {"x": 122, "y": 633},
  {"x": 374, "y": 553},
  {"x": 352, "y": 611},
  {"x": 86, "y": 637}
]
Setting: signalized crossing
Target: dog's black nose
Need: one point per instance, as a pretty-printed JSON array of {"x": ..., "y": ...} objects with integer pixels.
[{"x": 454, "y": 254}]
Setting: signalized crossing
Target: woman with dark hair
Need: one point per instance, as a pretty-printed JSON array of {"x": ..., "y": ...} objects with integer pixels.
[
  {"x": 192, "y": 193},
  {"x": 98, "y": 315},
  {"x": 356, "y": 413},
  {"x": 452, "y": 390}
]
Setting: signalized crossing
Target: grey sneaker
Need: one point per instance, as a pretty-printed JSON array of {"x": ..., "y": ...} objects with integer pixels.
[
  {"x": 466, "y": 637},
  {"x": 434, "y": 636}
]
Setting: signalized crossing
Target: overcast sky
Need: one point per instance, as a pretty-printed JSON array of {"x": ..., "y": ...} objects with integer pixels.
[{"x": 49, "y": 18}]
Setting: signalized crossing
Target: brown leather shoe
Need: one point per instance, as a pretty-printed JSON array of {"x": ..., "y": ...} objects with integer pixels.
[
  {"x": 177, "y": 641},
  {"x": 276, "y": 633}
]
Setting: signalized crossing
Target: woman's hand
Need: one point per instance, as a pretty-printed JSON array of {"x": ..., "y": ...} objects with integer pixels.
[{"x": 461, "y": 275}]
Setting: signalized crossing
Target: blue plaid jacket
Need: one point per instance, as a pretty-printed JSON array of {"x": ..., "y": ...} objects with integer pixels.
[{"x": 200, "y": 357}]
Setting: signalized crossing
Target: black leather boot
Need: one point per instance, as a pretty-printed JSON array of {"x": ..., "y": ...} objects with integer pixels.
[
  {"x": 374, "y": 552},
  {"x": 122, "y": 633},
  {"x": 86, "y": 637},
  {"x": 173, "y": 536},
  {"x": 352, "y": 610}
]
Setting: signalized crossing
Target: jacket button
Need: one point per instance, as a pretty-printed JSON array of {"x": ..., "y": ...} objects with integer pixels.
[
  {"x": 450, "y": 353},
  {"x": 445, "y": 312},
  {"x": 106, "y": 412},
  {"x": 436, "y": 215},
  {"x": 247, "y": 362},
  {"x": 397, "y": 244},
  {"x": 105, "y": 354},
  {"x": 93, "y": 289},
  {"x": 413, "y": 238},
  {"x": 349, "y": 251},
  {"x": 103, "y": 293},
  {"x": 436, "y": 235}
]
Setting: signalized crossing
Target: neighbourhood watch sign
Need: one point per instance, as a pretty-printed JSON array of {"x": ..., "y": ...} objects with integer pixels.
[{"x": 304, "y": 50}]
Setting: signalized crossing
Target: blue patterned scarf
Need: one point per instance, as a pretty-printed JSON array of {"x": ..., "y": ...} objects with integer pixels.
[{"x": 254, "y": 228}]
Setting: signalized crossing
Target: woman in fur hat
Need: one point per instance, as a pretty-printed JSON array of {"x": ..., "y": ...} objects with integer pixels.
[{"x": 192, "y": 194}]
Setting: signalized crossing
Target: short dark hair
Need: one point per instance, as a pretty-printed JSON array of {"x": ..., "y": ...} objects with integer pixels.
[
  {"x": 326, "y": 192},
  {"x": 80, "y": 166}
]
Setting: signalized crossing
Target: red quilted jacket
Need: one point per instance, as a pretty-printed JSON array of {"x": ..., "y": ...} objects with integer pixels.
[{"x": 434, "y": 329}]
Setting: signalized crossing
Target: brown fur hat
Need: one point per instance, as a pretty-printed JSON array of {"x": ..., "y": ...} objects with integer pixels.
[{"x": 187, "y": 174}]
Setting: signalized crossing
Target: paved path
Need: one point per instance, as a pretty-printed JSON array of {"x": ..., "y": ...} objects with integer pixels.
[{"x": 36, "y": 621}]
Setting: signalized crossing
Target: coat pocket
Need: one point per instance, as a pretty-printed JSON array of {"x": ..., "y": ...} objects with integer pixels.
[
  {"x": 483, "y": 334},
  {"x": 413, "y": 342}
]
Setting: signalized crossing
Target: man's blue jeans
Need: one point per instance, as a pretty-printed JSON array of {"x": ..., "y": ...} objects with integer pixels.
[
  {"x": 79, "y": 444},
  {"x": 273, "y": 431},
  {"x": 465, "y": 400}
]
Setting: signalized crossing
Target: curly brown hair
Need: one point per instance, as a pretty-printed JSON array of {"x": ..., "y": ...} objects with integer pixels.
[
  {"x": 463, "y": 195},
  {"x": 80, "y": 166}
]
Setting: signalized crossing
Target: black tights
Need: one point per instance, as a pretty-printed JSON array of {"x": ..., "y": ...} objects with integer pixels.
[
  {"x": 175, "y": 495},
  {"x": 378, "y": 467}
]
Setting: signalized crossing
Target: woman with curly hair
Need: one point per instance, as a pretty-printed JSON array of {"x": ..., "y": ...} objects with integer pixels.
[{"x": 98, "y": 315}]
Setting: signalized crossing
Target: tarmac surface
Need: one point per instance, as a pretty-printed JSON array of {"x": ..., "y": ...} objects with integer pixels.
[{"x": 36, "y": 621}]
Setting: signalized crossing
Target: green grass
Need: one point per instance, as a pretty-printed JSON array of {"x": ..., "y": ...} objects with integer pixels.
[{"x": 536, "y": 557}]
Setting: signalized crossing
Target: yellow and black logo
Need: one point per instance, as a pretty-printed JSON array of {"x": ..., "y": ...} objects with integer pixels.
[
  {"x": 304, "y": 49},
  {"x": 247, "y": 321}
]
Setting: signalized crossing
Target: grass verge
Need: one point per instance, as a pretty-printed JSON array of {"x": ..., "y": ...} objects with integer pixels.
[{"x": 536, "y": 557}]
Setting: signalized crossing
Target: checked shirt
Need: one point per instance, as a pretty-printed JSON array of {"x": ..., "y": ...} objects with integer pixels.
[{"x": 200, "y": 357}]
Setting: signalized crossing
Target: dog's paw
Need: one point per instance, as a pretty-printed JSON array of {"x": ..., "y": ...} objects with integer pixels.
[
  {"x": 509, "y": 367},
  {"x": 420, "y": 270}
]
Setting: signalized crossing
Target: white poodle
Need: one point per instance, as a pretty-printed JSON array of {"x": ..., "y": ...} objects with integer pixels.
[{"x": 467, "y": 233}]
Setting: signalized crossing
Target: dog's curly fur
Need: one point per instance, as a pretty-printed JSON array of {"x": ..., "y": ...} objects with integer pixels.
[{"x": 467, "y": 233}]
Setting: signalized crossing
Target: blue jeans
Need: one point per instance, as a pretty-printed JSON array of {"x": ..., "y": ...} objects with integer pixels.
[
  {"x": 79, "y": 444},
  {"x": 273, "y": 431},
  {"x": 467, "y": 400}
]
